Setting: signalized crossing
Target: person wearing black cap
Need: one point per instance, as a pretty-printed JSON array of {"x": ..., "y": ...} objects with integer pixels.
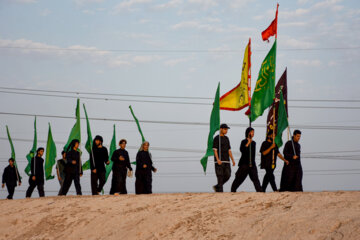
[
  {"x": 36, "y": 178},
  {"x": 292, "y": 174},
  {"x": 60, "y": 169},
  {"x": 98, "y": 159},
  {"x": 222, "y": 155},
  {"x": 269, "y": 153},
  {"x": 120, "y": 167},
  {"x": 247, "y": 162},
  {"x": 73, "y": 168},
  {"x": 10, "y": 177}
]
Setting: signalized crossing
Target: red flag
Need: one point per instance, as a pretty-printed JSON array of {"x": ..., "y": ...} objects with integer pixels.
[{"x": 272, "y": 29}]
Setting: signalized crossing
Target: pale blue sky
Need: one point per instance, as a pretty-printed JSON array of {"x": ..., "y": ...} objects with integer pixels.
[{"x": 179, "y": 48}]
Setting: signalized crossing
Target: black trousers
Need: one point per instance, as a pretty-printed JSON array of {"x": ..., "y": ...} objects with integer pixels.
[
  {"x": 32, "y": 185},
  {"x": 143, "y": 184},
  {"x": 269, "y": 178},
  {"x": 97, "y": 182},
  {"x": 67, "y": 183},
  {"x": 223, "y": 173},
  {"x": 291, "y": 178},
  {"x": 241, "y": 174},
  {"x": 11, "y": 190},
  {"x": 118, "y": 183},
  {"x": 61, "y": 182}
]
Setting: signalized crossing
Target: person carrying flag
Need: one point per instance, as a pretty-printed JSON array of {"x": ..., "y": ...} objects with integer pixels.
[{"x": 10, "y": 177}]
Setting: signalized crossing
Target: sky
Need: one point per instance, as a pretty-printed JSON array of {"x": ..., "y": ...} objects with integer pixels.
[{"x": 180, "y": 48}]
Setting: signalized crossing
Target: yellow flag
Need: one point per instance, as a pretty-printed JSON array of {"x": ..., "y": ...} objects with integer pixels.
[{"x": 238, "y": 98}]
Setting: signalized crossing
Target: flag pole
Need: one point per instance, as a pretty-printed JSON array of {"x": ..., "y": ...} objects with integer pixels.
[
  {"x": 249, "y": 94},
  {"x": 274, "y": 127}
]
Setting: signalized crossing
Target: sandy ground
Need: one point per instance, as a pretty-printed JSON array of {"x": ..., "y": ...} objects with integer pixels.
[{"x": 322, "y": 215}]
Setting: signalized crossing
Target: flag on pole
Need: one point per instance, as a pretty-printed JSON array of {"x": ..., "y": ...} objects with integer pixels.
[
  {"x": 89, "y": 141},
  {"x": 13, "y": 153},
  {"x": 281, "y": 86},
  {"x": 137, "y": 123},
  {"x": 112, "y": 150},
  {"x": 282, "y": 121},
  {"x": 214, "y": 126},
  {"x": 32, "y": 152},
  {"x": 238, "y": 98},
  {"x": 50, "y": 156},
  {"x": 272, "y": 29},
  {"x": 75, "y": 131},
  {"x": 264, "y": 91}
]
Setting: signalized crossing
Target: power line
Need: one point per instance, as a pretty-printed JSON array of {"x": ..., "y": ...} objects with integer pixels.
[
  {"x": 175, "y": 51},
  {"x": 348, "y": 128},
  {"x": 164, "y": 102},
  {"x": 159, "y": 96}
]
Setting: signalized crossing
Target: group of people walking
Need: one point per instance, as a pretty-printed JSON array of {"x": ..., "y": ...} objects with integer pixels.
[
  {"x": 69, "y": 169},
  {"x": 291, "y": 178}
]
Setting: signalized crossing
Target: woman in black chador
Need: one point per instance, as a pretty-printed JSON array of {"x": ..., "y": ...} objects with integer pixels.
[{"x": 144, "y": 169}]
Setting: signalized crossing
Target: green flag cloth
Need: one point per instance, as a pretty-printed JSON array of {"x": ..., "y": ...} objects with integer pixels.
[
  {"x": 13, "y": 152},
  {"x": 75, "y": 131},
  {"x": 214, "y": 126},
  {"x": 88, "y": 144},
  {"x": 50, "y": 156},
  {"x": 32, "y": 152},
  {"x": 137, "y": 123},
  {"x": 264, "y": 92},
  {"x": 282, "y": 121},
  {"x": 112, "y": 150}
]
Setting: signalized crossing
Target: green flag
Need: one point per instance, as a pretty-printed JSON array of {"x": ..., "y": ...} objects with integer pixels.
[
  {"x": 75, "y": 131},
  {"x": 32, "y": 152},
  {"x": 264, "y": 92},
  {"x": 137, "y": 123},
  {"x": 112, "y": 150},
  {"x": 88, "y": 144},
  {"x": 50, "y": 155},
  {"x": 214, "y": 126},
  {"x": 282, "y": 121},
  {"x": 13, "y": 152}
]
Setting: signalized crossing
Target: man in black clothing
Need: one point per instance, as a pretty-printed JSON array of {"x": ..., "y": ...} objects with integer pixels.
[
  {"x": 292, "y": 174},
  {"x": 73, "y": 168},
  {"x": 60, "y": 169},
  {"x": 222, "y": 155},
  {"x": 10, "y": 177},
  {"x": 121, "y": 165},
  {"x": 36, "y": 178},
  {"x": 269, "y": 153},
  {"x": 98, "y": 157},
  {"x": 247, "y": 165}
]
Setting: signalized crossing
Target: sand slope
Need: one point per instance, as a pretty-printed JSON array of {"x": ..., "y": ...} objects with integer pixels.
[{"x": 324, "y": 215}]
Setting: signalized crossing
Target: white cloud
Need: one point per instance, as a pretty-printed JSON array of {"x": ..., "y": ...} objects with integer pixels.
[
  {"x": 82, "y": 2},
  {"x": 239, "y": 3},
  {"x": 45, "y": 12},
  {"x": 204, "y": 4},
  {"x": 307, "y": 63},
  {"x": 146, "y": 58},
  {"x": 287, "y": 41},
  {"x": 210, "y": 26},
  {"x": 173, "y": 62},
  {"x": 301, "y": 2},
  {"x": 129, "y": 4},
  {"x": 169, "y": 4},
  {"x": 25, "y": 1}
]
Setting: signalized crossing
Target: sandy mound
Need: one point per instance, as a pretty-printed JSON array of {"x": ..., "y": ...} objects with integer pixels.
[{"x": 323, "y": 215}]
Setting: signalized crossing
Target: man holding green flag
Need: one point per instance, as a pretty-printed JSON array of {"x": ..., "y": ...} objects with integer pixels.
[{"x": 264, "y": 91}]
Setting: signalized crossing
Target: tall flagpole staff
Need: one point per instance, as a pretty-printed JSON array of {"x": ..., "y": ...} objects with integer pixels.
[
  {"x": 274, "y": 103},
  {"x": 249, "y": 94}
]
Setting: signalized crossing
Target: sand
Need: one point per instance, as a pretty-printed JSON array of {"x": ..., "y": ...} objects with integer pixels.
[{"x": 321, "y": 215}]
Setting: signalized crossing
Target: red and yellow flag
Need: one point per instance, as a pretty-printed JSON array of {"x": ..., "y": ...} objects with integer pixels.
[{"x": 239, "y": 97}]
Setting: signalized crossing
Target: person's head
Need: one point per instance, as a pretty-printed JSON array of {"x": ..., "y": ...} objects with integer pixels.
[
  {"x": 40, "y": 151},
  {"x": 11, "y": 162},
  {"x": 122, "y": 143},
  {"x": 63, "y": 154},
  {"x": 297, "y": 135},
  {"x": 98, "y": 140},
  {"x": 270, "y": 135},
  {"x": 145, "y": 146},
  {"x": 249, "y": 133},
  {"x": 74, "y": 145},
  {"x": 224, "y": 128}
]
